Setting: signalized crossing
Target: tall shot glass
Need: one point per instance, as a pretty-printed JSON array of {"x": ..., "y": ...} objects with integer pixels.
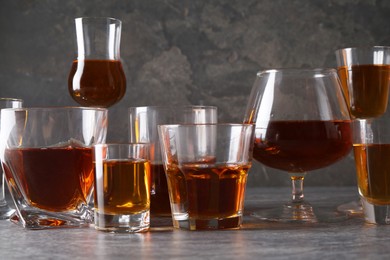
[
  {"x": 143, "y": 122},
  {"x": 207, "y": 167},
  {"x": 47, "y": 159},
  {"x": 5, "y": 210}
]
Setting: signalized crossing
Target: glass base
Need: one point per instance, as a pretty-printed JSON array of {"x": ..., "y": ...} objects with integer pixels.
[
  {"x": 46, "y": 220},
  {"x": 351, "y": 208},
  {"x": 299, "y": 213},
  {"x": 376, "y": 214},
  {"x": 122, "y": 223},
  {"x": 208, "y": 224},
  {"x": 6, "y": 212}
]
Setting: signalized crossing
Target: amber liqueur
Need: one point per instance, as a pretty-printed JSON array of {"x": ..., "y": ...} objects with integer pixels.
[
  {"x": 366, "y": 88},
  {"x": 373, "y": 172},
  {"x": 97, "y": 83},
  {"x": 160, "y": 205},
  {"x": 54, "y": 179},
  {"x": 300, "y": 146},
  {"x": 125, "y": 187},
  {"x": 214, "y": 191}
]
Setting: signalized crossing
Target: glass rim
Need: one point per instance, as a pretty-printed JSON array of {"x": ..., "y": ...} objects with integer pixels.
[
  {"x": 172, "y": 107},
  {"x": 118, "y": 144},
  {"x": 207, "y": 124},
  {"x": 48, "y": 108},
  {"x": 11, "y": 99},
  {"x": 363, "y": 48},
  {"x": 314, "y": 71},
  {"x": 98, "y": 18}
]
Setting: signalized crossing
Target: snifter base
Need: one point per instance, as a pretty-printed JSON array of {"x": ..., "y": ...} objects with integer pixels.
[
  {"x": 376, "y": 214},
  {"x": 299, "y": 213},
  {"x": 208, "y": 224},
  {"x": 352, "y": 208},
  {"x": 122, "y": 223}
]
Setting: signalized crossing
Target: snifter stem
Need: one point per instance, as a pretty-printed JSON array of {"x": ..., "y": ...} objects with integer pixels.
[{"x": 297, "y": 189}]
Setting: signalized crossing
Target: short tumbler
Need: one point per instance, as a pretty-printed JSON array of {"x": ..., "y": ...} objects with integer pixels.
[
  {"x": 206, "y": 167},
  {"x": 122, "y": 187},
  {"x": 47, "y": 159}
]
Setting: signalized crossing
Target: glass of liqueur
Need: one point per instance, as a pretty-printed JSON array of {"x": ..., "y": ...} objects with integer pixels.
[
  {"x": 122, "y": 187},
  {"x": 96, "y": 78},
  {"x": 302, "y": 123},
  {"x": 365, "y": 76},
  {"x": 207, "y": 167},
  {"x": 46, "y": 154},
  {"x": 143, "y": 122}
]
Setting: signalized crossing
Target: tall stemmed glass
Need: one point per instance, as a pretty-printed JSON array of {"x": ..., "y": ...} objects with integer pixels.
[
  {"x": 365, "y": 76},
  {"x": 302, "y": 124},
  {"x": 96, "y": 78},
  {"x": 5, "y": 210}
]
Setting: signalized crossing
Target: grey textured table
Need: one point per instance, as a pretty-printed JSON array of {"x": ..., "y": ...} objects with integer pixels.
[{"x": 349, "y": 239}]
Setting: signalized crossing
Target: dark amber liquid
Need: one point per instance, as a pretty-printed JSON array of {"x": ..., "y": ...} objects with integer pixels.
[
  {"x": 300, "y": 146},
  {"x": 54, "y": 179},
  {"x": 215, "y": 191},
  {"x": 373, "y": 172},
  {"x": 160, "y": 205},
  {"x": 97, "y": 83},
  {"x": 124, "y": 187},
  {"x": 366, "y": 88}
]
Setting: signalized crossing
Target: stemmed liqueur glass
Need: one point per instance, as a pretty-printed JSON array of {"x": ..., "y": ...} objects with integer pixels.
[
  {"x": 302, "y": 124},
  {"x": 365, "y": 76},
  {"x": 96, "y": 78}
]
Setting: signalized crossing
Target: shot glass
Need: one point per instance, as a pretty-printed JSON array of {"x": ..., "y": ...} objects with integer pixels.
[
  {"x": 372, "y": 152},
  {"x": 143, "y": 122},
  {"x": 46, "y": 155},
  {"x": 5, "y": 210},
  {"x": 122, "y": 187},
  {"x": 207, "y": 167}
]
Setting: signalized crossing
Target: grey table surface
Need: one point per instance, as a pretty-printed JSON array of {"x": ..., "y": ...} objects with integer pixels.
[{"x": 348, "y": 239}]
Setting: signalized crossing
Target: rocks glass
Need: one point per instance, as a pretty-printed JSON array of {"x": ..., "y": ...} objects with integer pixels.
[
  {"x": 206, "y": 167},
  {"x": 47, "y": 160}
]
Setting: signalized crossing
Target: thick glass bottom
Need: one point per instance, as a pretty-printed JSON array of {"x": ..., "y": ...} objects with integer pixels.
[
  {"x": 36, "y": 219},
  {"x": 190, "y": 223},
  {"x": 376, "y": 214},
  {"x": 121, "y": 223}
]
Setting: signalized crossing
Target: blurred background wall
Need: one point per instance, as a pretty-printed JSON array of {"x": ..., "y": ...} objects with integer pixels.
[{"x": 181, "y": 52}]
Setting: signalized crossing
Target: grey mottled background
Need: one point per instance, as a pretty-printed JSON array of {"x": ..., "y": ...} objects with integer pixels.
[{"x": 187, "y": 52}]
